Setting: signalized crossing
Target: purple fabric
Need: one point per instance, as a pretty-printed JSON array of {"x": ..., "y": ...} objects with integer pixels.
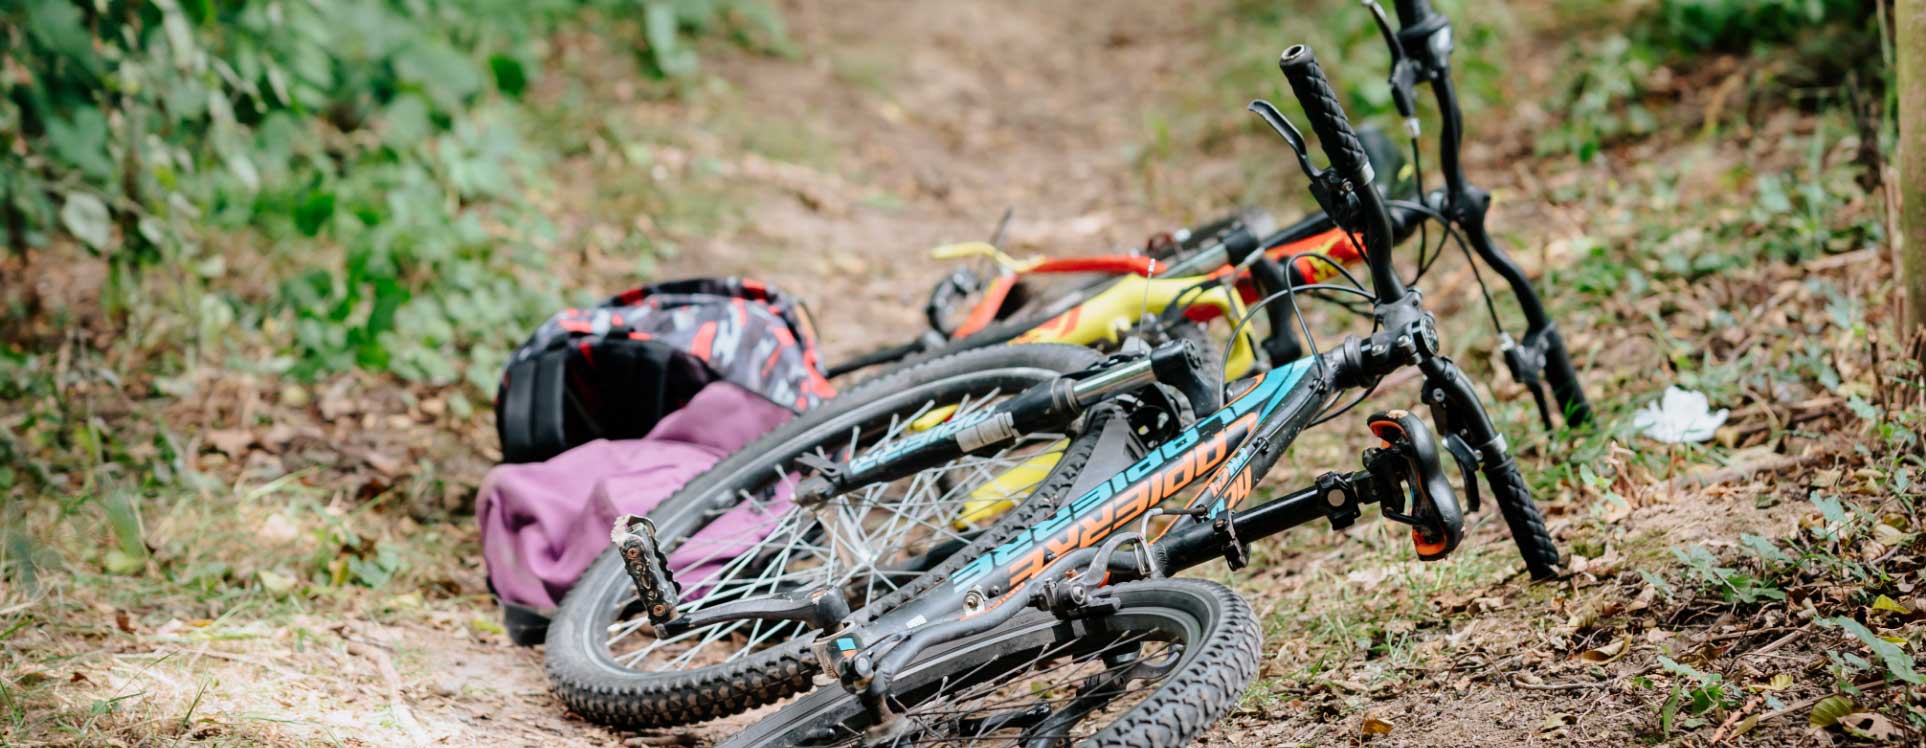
[
  {"x": 699, "y": 559},
  {"x": 543, "y": 523}
]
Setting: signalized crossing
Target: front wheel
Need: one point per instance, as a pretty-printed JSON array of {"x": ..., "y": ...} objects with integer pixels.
[
  {"x": 733, "y": 534},
  {"x": 1170, "y": 661}
]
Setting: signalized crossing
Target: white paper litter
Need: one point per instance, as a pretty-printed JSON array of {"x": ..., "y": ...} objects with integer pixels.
[{"x": 1679, "y": 416}]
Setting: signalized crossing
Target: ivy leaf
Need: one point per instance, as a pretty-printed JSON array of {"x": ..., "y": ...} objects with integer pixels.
[
  {"x": 1897, "y": 661},
  {"x": 85, "y": 216},
  {"x": 441, "y": 72},
  {"x": 59, "y": 27},
  {"x": 406, "y": 122},
  {"x": 81, "y": 139},
  {"x": 1764, "y": 548}
]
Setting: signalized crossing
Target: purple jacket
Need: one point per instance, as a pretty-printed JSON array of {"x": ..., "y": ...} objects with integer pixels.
[{"x": 543, "y": 523}]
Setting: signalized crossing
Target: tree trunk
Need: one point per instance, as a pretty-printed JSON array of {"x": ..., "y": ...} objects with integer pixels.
[{"x": 1911, "y": 79}]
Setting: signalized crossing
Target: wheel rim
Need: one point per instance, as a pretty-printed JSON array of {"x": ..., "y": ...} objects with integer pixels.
[{"x": 867, "y": 542}]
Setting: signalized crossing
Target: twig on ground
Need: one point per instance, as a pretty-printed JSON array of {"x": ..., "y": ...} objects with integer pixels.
[
  {"x": 1746, "y": 470},
  {"x": 1807, "y": 703},
  {"x": 1569, "y": 686},
  {"x": 1733, "y": 719},
  {"x": 386, "y": 666},
  {"x": 1776, "y": 643},
  {"x": 1742, "y": 633}
]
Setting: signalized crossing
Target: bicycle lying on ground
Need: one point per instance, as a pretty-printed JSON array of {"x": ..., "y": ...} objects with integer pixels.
[
  {"x": 740, "y": 534},
  {"x": 1069, "y": 630}
]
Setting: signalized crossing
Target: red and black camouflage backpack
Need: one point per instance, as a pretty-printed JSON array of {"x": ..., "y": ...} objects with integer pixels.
[{"x": 612, "y": 371}]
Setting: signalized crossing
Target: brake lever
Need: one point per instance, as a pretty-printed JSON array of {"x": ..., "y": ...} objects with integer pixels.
[
  {"x": 1268, "y": 112},
  {"x": 1403, "y": 78},
  {"x": 1328, "y": 187}
]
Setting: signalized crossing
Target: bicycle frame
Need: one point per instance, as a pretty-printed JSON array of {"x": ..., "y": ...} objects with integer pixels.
[
  {"x": 1226, "y": 452},
  {"x": 1229, "y": 450}
]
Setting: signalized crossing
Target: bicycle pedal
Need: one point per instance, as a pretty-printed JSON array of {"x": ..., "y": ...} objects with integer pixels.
[
  {"x": 648, "y": 567},
  {"x": 1407, "y": 466}
]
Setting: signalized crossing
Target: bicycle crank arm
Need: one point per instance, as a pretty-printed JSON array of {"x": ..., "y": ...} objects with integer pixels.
[{"x": 821, "y": 610}]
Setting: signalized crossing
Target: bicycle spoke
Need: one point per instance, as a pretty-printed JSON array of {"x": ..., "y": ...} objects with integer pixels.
[{"x": 867, "y": 542}]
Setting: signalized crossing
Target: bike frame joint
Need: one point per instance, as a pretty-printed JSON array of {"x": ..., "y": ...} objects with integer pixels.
[{"x": 1340, "y": 500}]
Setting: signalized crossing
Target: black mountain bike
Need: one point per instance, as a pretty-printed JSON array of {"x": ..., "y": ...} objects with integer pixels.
[
  {"x": 1068, "y": 629},
  {"x": 886, "y": 543}
]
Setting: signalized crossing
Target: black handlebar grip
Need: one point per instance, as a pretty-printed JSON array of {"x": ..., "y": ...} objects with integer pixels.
[
  {"x": 1326, "y": 114},
  {"x": 1413, "y": 12}
]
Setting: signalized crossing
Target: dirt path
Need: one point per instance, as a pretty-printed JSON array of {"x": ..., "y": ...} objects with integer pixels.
[
  {"x": 904, "y": 125},
  {"x": 931, "y": 118}
]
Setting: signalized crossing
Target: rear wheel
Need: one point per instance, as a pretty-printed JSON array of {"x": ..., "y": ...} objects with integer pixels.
[
  {"x": 732, "y": 533},
  {"x": 1169, "y": 662}
]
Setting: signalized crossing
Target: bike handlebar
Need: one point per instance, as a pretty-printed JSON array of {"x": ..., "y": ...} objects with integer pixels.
[
  {"x": 1349, "y": 163},
  {"x": 1327, "y": 117}
]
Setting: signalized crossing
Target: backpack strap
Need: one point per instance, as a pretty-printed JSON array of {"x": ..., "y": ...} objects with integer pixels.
[{"x": 530, "y": 418}]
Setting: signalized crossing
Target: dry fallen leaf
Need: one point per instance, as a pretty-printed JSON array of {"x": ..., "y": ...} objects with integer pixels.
[
  {"x": 231, "y": 442},
  {"x": 1607, "y": 653},
  {"x": 1373, "y": 726},
  {"x": 1868, "y": 725}
]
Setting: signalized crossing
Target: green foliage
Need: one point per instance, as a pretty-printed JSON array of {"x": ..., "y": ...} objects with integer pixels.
[
  {"x": 1738, "y": 25},
  {"x": 1610, "y": 79},
  {"x": 1735, "y": 586},
  {"x": 1898, "y": 664},
  {"x": 361, "y": 162},
  {"x": 1353, "y": 52},
  {"x": 1696, "y": 694}
]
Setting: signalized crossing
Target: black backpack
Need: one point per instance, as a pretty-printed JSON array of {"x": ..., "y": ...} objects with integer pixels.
[{"x": 614, "y": 370}]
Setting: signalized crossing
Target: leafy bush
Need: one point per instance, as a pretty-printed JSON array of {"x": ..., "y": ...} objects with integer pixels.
[
  {"x": 1788, "y": 43},
  {"x": 1739, "y": 25},
  {"x": 241, "y": 144}
]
